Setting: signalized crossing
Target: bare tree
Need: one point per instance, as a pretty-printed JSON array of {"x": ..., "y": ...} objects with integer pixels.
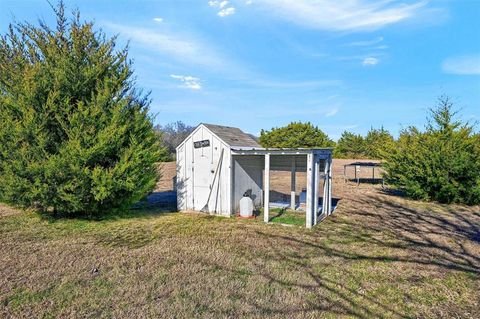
[{"x": 173, "y": 134}]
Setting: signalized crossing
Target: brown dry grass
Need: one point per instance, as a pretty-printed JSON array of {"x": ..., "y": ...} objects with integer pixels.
[{"x": 377, "y": 256}]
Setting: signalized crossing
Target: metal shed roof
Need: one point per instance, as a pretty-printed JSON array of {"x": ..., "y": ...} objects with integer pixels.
[
  {"x": 232, "y": 136},
  {"x": 281, "y": 151}
]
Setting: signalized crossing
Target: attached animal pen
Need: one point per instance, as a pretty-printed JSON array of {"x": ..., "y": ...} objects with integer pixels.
[
  {"x": 217, "y": 165},
  {"x": 250, "y": 164}
]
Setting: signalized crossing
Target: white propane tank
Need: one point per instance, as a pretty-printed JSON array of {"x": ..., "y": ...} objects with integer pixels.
[{"x": 246, "y": 206}]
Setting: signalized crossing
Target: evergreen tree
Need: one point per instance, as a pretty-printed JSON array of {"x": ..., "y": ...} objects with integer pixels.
[
  {"x": 295, "y": 135},
  {"x": 350, "y": 146},
  {"x": 75, "y": 134},
  {"x": 442, "y": 163},
  {"x": 378, "y": 143}
]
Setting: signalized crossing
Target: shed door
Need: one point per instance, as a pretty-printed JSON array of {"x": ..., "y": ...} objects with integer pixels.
[{"x": 201, "y": 181}]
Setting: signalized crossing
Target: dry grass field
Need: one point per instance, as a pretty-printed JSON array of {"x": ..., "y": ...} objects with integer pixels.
[{"x": 379, "y": 255}]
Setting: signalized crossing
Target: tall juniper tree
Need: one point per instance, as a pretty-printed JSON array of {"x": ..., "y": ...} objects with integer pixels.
[
  {"x": 295, "y": 134},
  {"x": 442, "y": 163},
  {"x": 75, "y": 133}
]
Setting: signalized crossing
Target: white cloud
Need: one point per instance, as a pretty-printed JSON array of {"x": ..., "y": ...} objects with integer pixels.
[
  {"x": 226, "y": 12},
  {"x": 347, "y": 15},
  {"x": 223, "y": 4},
  {"x": 332, "y": 112},
  {"x": 248, "y": 2},
  {"x": 462, "y": 65},
  {"x": 185, "y": 48},
  {"x": 365, "y": 43},
  {"x": 158, "y": 19},
  {"x": 370, "y": 61},
  {"x": 188, "y": 81},
  {"x": 366, "y": 59}
]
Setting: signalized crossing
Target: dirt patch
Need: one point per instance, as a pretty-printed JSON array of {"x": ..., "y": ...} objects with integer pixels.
[
  {"x": 167, "y": 172},
  {"x": 8, "y": 211}
]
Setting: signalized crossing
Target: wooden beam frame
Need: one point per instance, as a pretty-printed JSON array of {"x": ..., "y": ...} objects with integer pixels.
[
  {"x": 266, "y": 195},
  {"x": 313, "y": 181},
  {"x": 325, "y": 191},
  {"x": 329, "y": 179},
  {"x": 293, "y": 184},
  {"x": 310, "y": 191},
  {"x": 315, "y": 191}
]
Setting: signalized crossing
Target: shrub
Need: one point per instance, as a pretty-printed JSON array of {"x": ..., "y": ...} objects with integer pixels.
[
  {"x": 350, "y": 145},
  {"x": 294, "y": 135},
  {"x": 441, "y": 164},
  {"x": 375, "y": 145},
  {"x": 75, "y": 134},
  {"x": 378, "y": 143}
]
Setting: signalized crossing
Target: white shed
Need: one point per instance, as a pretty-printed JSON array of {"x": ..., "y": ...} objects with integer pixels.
[{"x": 217, "y": 164}]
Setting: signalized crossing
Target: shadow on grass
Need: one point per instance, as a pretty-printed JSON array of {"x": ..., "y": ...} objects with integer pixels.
[
  {"x": 155, "y": 204},
  {"x": 387, "y": 234},
  {"x": 365, "y": 180}
]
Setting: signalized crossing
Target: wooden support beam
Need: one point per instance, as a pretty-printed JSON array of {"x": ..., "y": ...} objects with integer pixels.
[
  {"x": 325, "y": 190},
  {"x": 330, "y": 185},
  {"x": 310, "y": 187},
  {"x": 315, "y": 190},
  {"x": 292, "y": 184},
  {"x": 356, "y": 174},
  {"x": 266, "y": 189}
]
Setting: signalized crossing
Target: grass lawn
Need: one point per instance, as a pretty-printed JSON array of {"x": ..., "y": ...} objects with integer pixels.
[{"x": 377, "y": 256}]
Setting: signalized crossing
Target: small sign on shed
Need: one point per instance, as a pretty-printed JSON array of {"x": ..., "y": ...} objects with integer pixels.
[{"x": 200, "y": 144}]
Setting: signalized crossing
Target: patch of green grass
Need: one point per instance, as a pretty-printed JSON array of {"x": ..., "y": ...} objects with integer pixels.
[
  {"x": 286, "y": 216},
  {"x": 24, "y": 297}
]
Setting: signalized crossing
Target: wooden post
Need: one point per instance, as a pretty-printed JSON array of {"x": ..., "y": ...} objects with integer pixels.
[
  {"x": 373, "y": 173},
  {"x": 345, "y": 173},
  {"x": 310, "y": 186},
  {"x": 266, "y": 186},
  {"x": 357, "y": 167},
  {"x": 329, "y": 178},
  {"x": 292, "y": 186},
  {"x": 325, "y": 189},
  {"x": 315, "y": 191}
]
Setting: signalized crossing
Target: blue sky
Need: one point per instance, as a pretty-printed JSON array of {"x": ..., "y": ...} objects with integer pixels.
[{"x": 342, "y": 65}]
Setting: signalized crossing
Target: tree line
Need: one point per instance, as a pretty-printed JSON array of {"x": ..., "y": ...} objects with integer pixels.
[
  {"x": 440, "y": 162},
  {"x": 374, "y": 145}
]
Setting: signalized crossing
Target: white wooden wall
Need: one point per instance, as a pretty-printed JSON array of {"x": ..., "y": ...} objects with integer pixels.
[{"x": 195, "y": 173}]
